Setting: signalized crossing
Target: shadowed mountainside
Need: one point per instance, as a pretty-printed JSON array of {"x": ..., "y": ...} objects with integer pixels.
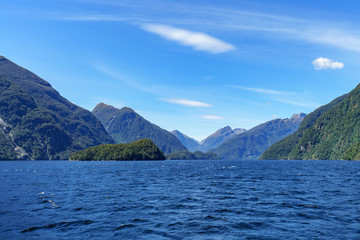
[
  {"x": 37, "y": 122},
  {"x": 125, "y": 126}
]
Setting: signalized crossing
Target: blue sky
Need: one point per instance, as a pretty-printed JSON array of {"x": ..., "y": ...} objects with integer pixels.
[{"x": 194, "y": 66}]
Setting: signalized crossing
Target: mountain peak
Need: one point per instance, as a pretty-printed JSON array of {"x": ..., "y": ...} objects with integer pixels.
[
  {"x": 223, "y": 130},
  {"x": 127, "y": 109},
  {"x": 109, "y": 108},
  {"x": 297, "y": 117},
  {"x": 103, "y": 106},
  {"x": 125, "y": 125}
]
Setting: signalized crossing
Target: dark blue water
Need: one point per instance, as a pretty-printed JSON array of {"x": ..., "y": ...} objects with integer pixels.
[{"x": 180, "y": 200}]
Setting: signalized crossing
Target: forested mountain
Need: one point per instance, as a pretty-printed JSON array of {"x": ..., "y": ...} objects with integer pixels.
[
  {"x": 191, "y": 144},
  {"x": 125, "y": 126},
  {"x": 330, "y": 132},
  {"x": 252, "y": 143},
  {"x": 37, "y": 122}
]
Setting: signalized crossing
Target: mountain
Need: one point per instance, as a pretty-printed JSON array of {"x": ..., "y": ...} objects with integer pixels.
[
  {"x": 330, "y": 132},
  {"x": 143, "y": 149},
  {"x": 190, "y": 143},
  {"x": 125, "y": 126},
  {"x": 238, "y": 131},
  {"x": 219, "y": 137},
  {"x": 211, "y": 142},
  {"x": 252, "y": 143},
  {"x": 37, "y": 122}
]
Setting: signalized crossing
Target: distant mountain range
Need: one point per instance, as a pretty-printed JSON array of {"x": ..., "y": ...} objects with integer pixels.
[
  {"x": 330, "y": 132},
  {"x": 252, "y": 143},
  {"x": 211, "y": 142},
  {"x": 125, "y": 126},
  {"x": 36, "y": 122}
]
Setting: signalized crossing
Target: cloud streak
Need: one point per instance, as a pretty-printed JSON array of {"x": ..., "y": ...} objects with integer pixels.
[
  {"x": 186, "y": 102},
  {"x": 326, "y": 63},
  {"x": 263, "y": 90},
  {"x": 220, "y": 19},
  {"x": 197, "y": 40},
  {"x": 212, "y": 117},
  {"x": 291, "y": 98}
]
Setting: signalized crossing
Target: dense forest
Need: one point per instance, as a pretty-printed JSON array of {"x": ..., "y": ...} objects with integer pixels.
[
  {"x": 143, "y": 149},
  {"x": 186, "y": 155},
  {"x": 330, "y": 132},
  {"x": 37, "y": 123}
]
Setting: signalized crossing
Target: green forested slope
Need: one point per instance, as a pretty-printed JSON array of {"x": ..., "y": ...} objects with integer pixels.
[
  {"x": 186, "y": 155},
  {"x": 125, "y": 125},
  {"x": 335, "y": 134},
  {"x": 143, "y": 149},
  {"x": 37, "y": 123},
  {"x": 283, "y": 148}
]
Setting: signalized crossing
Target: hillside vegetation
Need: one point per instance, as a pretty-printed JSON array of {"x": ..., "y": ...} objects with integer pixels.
[
  {"x": 37, "y": 123},
  {"x": 331, "y": 132},
  {"x": 125, "y": 126},
  {"x": 143, "y": 149},
  {"x": 252, "y": 143}
]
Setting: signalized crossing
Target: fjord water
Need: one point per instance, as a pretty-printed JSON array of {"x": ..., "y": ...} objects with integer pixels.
[{"x": 180, "y": 200}]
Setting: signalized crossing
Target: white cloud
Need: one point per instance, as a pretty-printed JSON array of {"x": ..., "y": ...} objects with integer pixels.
[
  {"x": 186, "y": 102},
  {"x": 197, "y": 40},
  {"x": 342, "y": 35},
  {"x": 326, "y": 63},
  {"x": 211, "y": 117},
  {"x": 263, "y": 90}
]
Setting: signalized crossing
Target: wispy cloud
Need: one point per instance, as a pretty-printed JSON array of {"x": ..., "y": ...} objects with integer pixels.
[
  {"x": 211, "y": 117},
  {"x": 263, "y": 90},
  {"x": 186, "y": 102},
  {"x": 286, "y": 97},
  {"x": 197, "y": 40},
  {"x": 326, "y": 63},
  {"x": 299, "y": 102},
  {"x": 121, "y": 77},
  {"x": 222, "y": 19},
  {"x": 91, "y": 18}
]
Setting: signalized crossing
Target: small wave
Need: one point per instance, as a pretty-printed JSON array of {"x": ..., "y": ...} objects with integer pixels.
[
  {"x": 138, "y": 220},
  {"x": 124, "y": 226},
  {"x": 78, "y": 209},
  {"x": 64, "y": 224},
  {"x": 224, "y": 210},
  {"x": 247, "y": 225}
]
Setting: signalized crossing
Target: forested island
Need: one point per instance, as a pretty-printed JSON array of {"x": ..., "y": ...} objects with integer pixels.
[{"x": 143, "y": 149}]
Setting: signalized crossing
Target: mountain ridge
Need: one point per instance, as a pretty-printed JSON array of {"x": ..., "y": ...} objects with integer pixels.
[
  {"x": 330, "y": 132},
  {"x": 252, "y": 143},
  {"x": 125, "y": 126},
  {"x": 37, "y": 122}
]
